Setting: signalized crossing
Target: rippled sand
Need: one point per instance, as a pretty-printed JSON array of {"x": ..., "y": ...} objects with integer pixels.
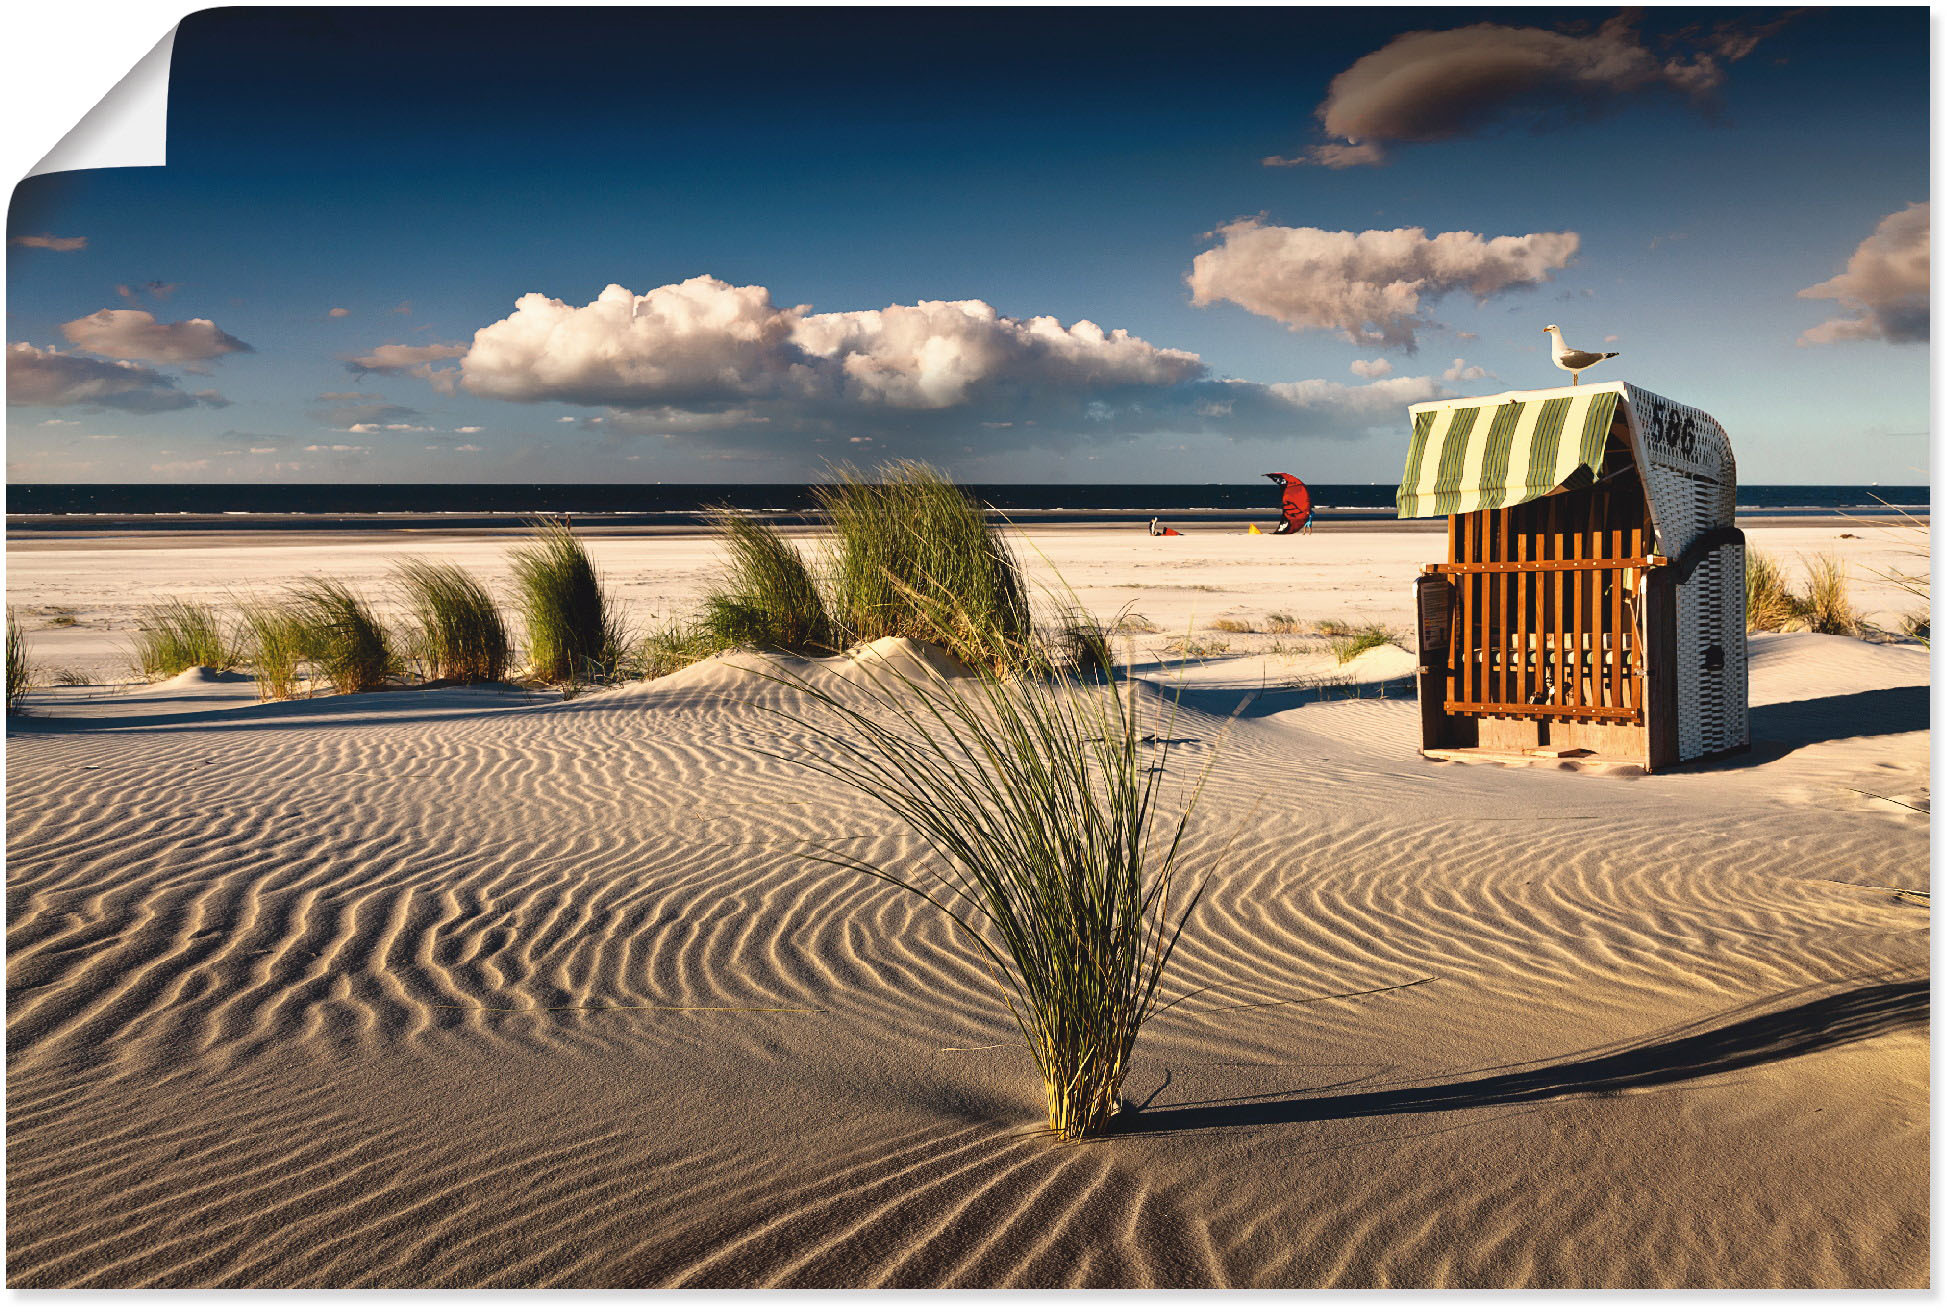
[{"x": 482, "y": 988}]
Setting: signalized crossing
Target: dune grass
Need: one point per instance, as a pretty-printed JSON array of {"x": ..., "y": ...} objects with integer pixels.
[
  {"x": 573, "y": 631},
  {"x": 337, "y": 632},
  {"x": 1827, "y": 605},
  {"x": 766, "y": 598},
  {"x": 670, "y": 648},
  {"x": 178, "y": 635},
  {"x": 1282, "y": 622},
  {"x": 274, "y": 642},
  {"x": 1769, "y": 605},
  {"x": 1082, "y": 643},
  {"x": 1233, "y": 626},
  {"x": 913, "y": 556},
  {"x": 20, "y": 674},
  {"x": 461, "y": 637},
  {"x": 1038, "y": 800},
  {"x": 1350, "y": 641}
]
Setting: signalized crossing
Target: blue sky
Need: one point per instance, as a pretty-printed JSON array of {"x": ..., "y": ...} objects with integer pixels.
[{"x": 1671, "y": 182}]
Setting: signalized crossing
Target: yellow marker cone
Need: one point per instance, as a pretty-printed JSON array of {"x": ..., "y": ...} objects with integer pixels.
[{"x": 1253, "y": 529}]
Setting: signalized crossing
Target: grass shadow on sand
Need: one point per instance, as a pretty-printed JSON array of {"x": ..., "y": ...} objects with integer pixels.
[{"x": 1729, "y": 1041}]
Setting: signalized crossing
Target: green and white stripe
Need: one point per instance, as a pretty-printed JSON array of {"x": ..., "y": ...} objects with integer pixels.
[{"x": 1470, "y": 455}]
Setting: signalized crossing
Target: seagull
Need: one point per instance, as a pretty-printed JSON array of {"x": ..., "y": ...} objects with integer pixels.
[{"x": 1567, "y": 357}]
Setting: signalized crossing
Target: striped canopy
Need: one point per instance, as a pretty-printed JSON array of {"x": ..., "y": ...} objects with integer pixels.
[{"x": 1484, "y": 453}]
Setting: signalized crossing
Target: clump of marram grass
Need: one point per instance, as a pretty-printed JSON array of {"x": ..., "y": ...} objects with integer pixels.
[
  {"x": 573, "y": 632},
  {"x": 20, "y": 674},
  {"x": 1350, "y": 641},
  {"x": 1283, "y": 622},
  {"x": 341, "y": 637},
  {"x": 461, "y": 637},
  {"x": 178, "y": 635},
  {"x": 1081, "y": 643},
  {"x": 1038, "y": 800},
  {"x": 671, "y": 648},
  {"x": 1228, "y": 625},
  {"x": 766, "y": 598},
  {"x": 914, "y": 556},
  {"x": 1769, "y": 605},
  {"x": 1132, "y": 623},
  {"x": 1827, "y": 605},
  {"x": 274, "y": 646}
]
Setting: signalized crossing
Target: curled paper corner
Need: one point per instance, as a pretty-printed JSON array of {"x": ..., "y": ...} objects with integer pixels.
[{"x": 127, "y": 128}]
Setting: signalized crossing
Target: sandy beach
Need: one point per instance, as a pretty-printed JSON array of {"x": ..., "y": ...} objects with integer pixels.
[{"x": 480, "y": 987}]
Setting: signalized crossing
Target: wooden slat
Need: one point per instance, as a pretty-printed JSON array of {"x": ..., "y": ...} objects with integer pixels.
[
  {"x": 1559, "y": 634},
  {"x": 1524, "y": 625},
  {"x": 1542, "y": 566},
  {"x": 1546, "y": 712}
]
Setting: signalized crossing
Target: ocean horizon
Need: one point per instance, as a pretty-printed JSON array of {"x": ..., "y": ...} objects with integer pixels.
[{"x": 625, "y": 504}]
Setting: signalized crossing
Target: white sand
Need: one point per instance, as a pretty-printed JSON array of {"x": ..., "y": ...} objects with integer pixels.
[{"x": 468, "y": 987}]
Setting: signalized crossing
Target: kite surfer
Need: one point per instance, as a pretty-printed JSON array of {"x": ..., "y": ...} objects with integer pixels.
[{"x": 1297, "y": 503}]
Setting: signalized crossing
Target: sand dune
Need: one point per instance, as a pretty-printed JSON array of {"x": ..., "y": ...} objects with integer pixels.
[{"x": 482, "y": 988}]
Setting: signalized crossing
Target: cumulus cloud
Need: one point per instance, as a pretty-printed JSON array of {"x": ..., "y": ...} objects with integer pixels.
[
  {"x": 47, "y": 243},
  {"x": 337, "y": 312},
  {"x": 390, "y": 428},
  {"x": 51, "y": 377},
  {"x": 1370, "y": 287},
  {"x": 339, "y": 448},
  {"x": 729, "y": 369},
  {"x": 1885, "y": 286},
  {"x": 136, "y": 335},
  {"x": 1435, "y": 85},
  {"x": 1372, "y": 368},
  {"x": 704, "y": 344},
  {"x": 1462, "y": 372}
]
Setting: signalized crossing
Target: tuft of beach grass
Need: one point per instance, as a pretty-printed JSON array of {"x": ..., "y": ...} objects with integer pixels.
[
  {"x": 274, "y": 643},
  {"x": 1769, "y": 605},
  {"x": 461, "y": 637},
  {"x": 341, "y": 637},
  {"x": 914, "y": 556},
  {"x": 1827, "y": 604},
  {"x": 573, "y": 631},
  {"x": 20, "y": 674},
  {"x": 178, "y": 635},
  {"x": 766, "y": 598},
  {"x": 1038, "y": 799},
  {"x": 1350, "y": 641}
]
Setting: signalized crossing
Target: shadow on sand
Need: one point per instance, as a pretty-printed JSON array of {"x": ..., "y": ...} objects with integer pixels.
[{"x": 1731, "y": 1041}]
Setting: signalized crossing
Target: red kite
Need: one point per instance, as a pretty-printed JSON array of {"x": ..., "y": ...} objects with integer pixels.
[{"x": 1297, "y": 503}]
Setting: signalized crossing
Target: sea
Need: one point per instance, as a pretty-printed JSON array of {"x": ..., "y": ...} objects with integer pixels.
[{"x": 32, "y": 506}]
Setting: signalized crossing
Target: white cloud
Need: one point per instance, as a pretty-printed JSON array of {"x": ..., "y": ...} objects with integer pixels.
[
  {"x": 703, "y": 344},
  {"x": 390, "y": 428},
  {"x": 1372, "y": 368},
  {"x": 1462, "y": 372},
  {"x": 468, "y": 428},
  {"x": 339, "y": 448},
  {"x": 1885, "y": 286},
  {"x": 337, "y": 312},
  {"x": 465, "y": 446},
  {"x": 1436, "y": 85},
  {"x": 48, "y": 243},
  {"x": 136, "y": 335},
  {"x": 262, "y": 450},
  {"x": 51, "y": 377},
  {"x": 728, "y": 369},
  {"x": 1372, "y": 286},
  {"x": 58, "y": 423}
]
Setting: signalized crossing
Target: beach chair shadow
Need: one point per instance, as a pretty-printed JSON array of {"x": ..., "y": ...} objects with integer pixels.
[
  {"x": 1730, "y": 1041},
  {"x": 1781, "y": 728}
]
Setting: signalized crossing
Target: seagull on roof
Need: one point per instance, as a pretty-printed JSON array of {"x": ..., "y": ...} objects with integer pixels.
[{"x": 1567, "y": 357}]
